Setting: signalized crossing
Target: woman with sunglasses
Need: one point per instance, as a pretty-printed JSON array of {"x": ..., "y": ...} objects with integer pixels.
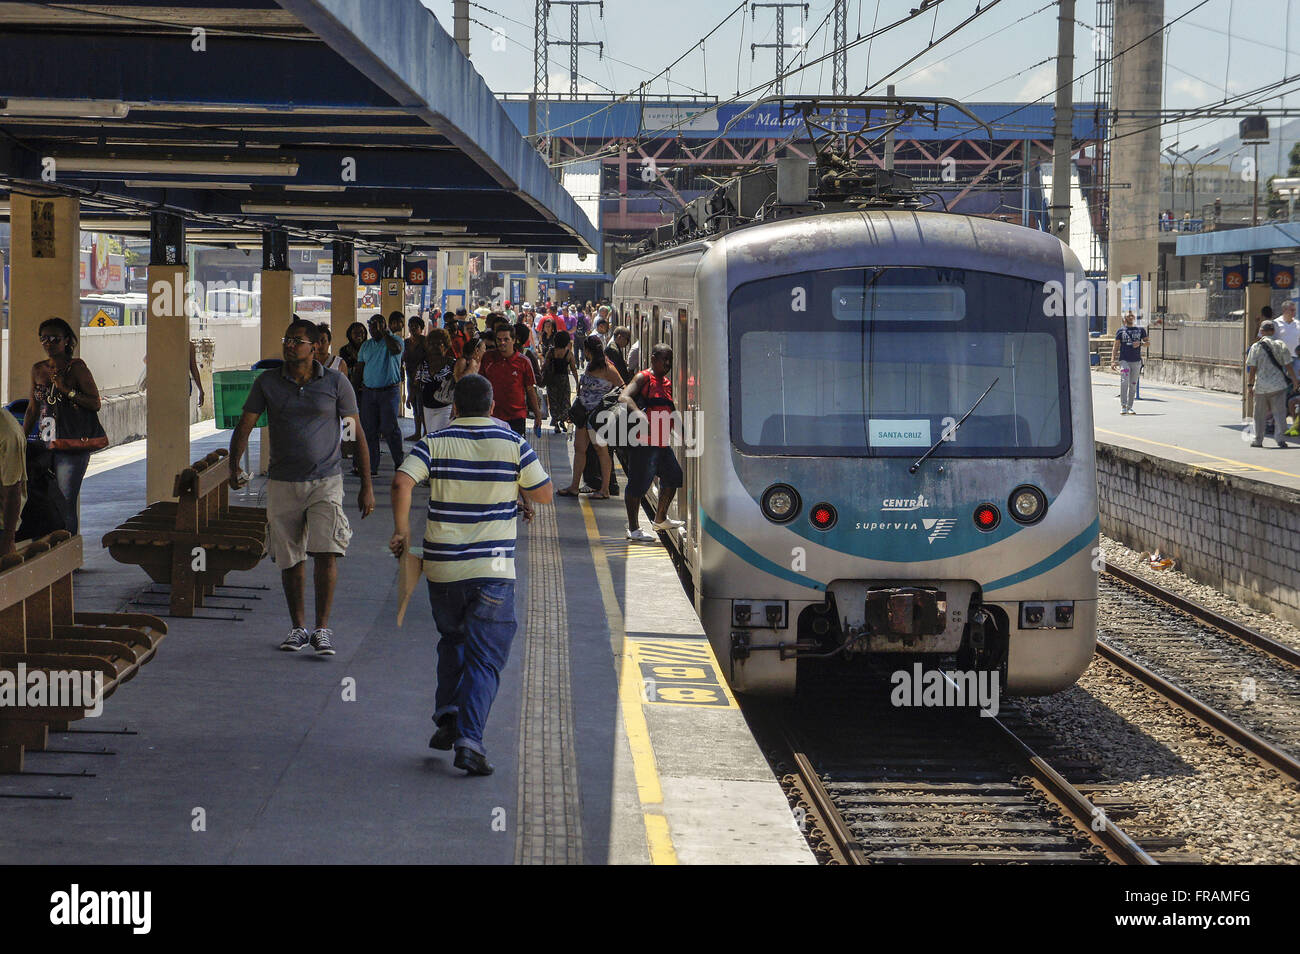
[{"x": 61, "y": 378}]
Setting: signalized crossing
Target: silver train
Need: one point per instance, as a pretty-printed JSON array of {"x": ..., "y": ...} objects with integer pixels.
[{"x": 842, "y": 499}]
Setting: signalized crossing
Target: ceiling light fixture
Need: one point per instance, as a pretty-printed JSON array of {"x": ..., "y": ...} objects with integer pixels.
[
  {"x": 286, "y": 210},
  {"x": 74, "y": 108},
  {"x": 166, "y": 166}
]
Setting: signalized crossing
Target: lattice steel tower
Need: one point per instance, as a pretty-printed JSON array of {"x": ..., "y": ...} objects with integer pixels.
[
  {"x": 573, "y": 42},
  {"x": 781, "y": 45}
]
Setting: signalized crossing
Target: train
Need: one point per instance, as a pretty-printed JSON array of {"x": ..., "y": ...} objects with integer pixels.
[{"x": 888, "y": 440}]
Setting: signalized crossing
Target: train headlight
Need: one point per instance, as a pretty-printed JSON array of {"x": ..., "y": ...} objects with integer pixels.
[
  {"x": 987, "y": 516},
  {"x": 823, "y": 516},
  {"x": 1027, "y": 504},
  {"x": 780, "y": 503}
]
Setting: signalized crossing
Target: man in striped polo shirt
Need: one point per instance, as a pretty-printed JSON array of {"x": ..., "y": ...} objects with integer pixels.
[{"x": 477, "y": 468}]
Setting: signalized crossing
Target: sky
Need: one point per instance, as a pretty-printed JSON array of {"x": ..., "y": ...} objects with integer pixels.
[{"x": 1006, "y": 54}]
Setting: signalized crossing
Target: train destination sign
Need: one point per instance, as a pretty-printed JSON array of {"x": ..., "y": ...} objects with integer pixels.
[{"x": 900, "y": 433}]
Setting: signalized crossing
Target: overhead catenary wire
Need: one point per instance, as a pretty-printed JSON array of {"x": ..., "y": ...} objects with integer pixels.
[{"x": 926, "y": 8}]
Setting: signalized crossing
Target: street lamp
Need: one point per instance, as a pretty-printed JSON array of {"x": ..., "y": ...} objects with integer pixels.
[
  {"x": 1173, "y": 172},
  {"x": 1192, "y": 175}
]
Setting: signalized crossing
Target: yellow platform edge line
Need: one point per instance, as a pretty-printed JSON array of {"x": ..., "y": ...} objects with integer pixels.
[
  {"x": 658, "y": 835},
  {"x": 1188, "y": 450}
]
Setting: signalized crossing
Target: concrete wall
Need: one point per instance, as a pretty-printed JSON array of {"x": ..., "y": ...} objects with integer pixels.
[
  {"x": 1197, "y": 374},
  {"x": 1214, "y": 341},
  {"x": 1230, "y": 532},
  {"x": 116, "y": 355},
  {"x": 1192, "y": 302}
]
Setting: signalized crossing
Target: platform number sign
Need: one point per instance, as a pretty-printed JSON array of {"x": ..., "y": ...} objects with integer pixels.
[{"x": 679, "y": 672}]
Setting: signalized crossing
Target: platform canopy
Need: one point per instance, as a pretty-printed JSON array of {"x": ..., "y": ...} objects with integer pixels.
[
  {"x": 331, "y": 118},
  {"x": 1273, "y": 237}
]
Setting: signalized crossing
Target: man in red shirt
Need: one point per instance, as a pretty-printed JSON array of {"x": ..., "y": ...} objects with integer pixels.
[{"x": 514, "y": 388}]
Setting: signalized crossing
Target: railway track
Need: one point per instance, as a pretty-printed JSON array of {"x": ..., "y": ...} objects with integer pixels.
[
  {"x": 874, "y": 784},
  {"x": 1242, "y": 684}
]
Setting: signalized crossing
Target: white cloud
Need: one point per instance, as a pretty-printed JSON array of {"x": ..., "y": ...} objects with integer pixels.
[
  {"x": 1040, "y": 83},
  {"x": 930, "y": 79}
]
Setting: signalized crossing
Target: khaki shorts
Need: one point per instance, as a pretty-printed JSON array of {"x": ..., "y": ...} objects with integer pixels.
[{"x": 305, "y": 517}]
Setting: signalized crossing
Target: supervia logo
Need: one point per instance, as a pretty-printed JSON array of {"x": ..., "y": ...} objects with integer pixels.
[
  {"x": 939, "y": 527},
  {"x": 903, "y": 504}
]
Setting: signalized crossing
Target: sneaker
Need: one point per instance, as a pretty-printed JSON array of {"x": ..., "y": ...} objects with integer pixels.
[
  {"x": 668, "y": 523},
  {"x": 642, "y": 536},
  {"x": 320, "y": 641},
  {"x": 1256, "y": 443},
  {"x": 296, "y": 640}
]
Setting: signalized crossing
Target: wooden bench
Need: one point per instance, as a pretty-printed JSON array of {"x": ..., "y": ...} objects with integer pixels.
[
  {"x": 41, "y": 631},
  {"x": 162, "y": 539}
]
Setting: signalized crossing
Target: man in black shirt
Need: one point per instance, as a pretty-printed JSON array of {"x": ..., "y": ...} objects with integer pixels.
[{"x": 616, "y": 352}]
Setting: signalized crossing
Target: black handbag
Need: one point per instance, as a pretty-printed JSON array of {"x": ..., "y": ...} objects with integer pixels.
[
  {"x": 75, "y": 428},
  {"x": 578, "y": 413}
]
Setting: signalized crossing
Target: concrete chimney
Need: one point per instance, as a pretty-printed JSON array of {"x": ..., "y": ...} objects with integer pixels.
[{"x": 1133, "y": 247}]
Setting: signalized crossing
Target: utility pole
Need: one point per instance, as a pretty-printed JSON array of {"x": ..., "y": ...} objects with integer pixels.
[
  {"x": 780, "y": 45},
  {"x": 540, "y": 68},
  {"x": 889, "y": 136},
  {"x": 573, "y": 42},
  {"x": 460, "y": 25},
  {"x": 1063, "y": 140}
]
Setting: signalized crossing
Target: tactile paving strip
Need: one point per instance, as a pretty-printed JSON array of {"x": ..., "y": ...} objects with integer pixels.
[{"x": 550, "y": 819}]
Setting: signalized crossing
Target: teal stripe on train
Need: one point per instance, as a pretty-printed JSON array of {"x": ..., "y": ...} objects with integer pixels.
[
  {"x": 1048, "y": 562},
  {"x": 757, "y": 560},
  {"x": 752, "y": 557}
]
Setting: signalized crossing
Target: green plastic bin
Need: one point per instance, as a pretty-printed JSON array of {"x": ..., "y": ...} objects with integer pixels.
[{"x": 232, "y": 389}]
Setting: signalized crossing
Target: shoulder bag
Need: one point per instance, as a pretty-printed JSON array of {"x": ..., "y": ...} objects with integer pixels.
[{"x": 74, "y": 428}]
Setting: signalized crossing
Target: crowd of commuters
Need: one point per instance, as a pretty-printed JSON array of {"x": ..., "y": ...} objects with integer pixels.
[{"x": 471, "y": 380}]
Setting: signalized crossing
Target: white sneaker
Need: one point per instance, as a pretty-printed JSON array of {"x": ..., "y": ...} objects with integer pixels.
[
  {"x": 642, "y": 536},
  {"x": 668, "y": 523}
]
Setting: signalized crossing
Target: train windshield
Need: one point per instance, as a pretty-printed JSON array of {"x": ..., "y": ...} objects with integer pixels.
[{"x": 882, "y": 362}]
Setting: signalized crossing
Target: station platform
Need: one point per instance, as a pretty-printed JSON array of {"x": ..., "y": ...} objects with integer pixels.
[
  {"x": 614, "y": 737},
  {"x": 1194, "y": 426}
]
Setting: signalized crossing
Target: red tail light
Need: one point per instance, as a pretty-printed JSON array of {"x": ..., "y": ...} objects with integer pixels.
[
  {"x": 822, "y": 516},
  {"x": 987, "y": 516}
]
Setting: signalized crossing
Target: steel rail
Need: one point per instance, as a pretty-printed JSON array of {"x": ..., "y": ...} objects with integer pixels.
[
  {"x": 1210, "y": 617},
  {"x": 1216, "y": 720}
]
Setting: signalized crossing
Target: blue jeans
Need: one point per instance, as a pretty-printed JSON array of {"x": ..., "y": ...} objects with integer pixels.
[
  {"x": 379, "y": 416},
  {"x": 476, "y": 621},
  {"x": 69, "y": 471}
]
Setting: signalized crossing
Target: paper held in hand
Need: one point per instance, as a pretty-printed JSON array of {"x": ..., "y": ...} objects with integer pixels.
[{"x": 409, "y": 571}]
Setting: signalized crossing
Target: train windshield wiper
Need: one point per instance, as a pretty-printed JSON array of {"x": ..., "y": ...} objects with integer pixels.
[{"x": 978, "y": 401}]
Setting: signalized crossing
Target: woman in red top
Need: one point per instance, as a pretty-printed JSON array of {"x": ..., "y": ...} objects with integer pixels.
[{"x": 650, "y": 397}]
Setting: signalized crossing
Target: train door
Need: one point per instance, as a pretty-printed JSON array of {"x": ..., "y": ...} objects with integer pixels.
[
  {"x": 666, "y": 336},
  {"x": 684, "y": 391}
]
